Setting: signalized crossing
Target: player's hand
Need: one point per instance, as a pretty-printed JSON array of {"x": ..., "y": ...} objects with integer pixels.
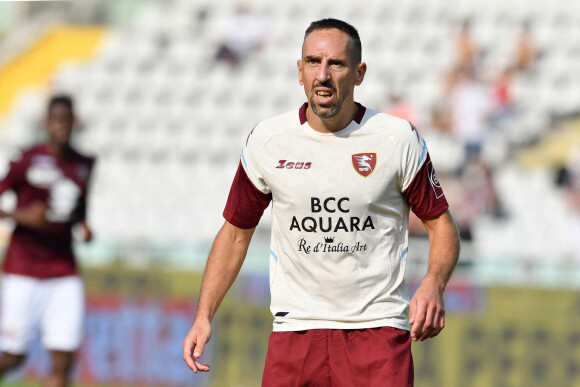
[
  {"x": 194, "y": 343},
  {"x": 87, "y": 233},
  {"x": 427, "y": 312}
]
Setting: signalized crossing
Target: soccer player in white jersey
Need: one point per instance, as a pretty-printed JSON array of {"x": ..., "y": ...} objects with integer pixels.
[{"x": 342, "y": 179}]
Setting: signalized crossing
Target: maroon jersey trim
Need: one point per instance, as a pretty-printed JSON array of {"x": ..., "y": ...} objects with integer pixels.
[
  {"x": 302, "y": 113},
  {"x": 15, "y": 175},
  {"x": 360, "y": 113},
  {"x": 424, "y": 194},
  {"x": 246, "y": 203}
]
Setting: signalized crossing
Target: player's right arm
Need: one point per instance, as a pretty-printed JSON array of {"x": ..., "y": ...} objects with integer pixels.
[
  {"x": 423, "y": 193},
  {"x": 33, "y": 215},
  {"x": 223, "y": 265},
  {"x": 249, "y": 196}
]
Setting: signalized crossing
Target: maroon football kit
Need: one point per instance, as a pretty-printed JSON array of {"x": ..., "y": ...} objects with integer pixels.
[{"x": 39, "y": 175}]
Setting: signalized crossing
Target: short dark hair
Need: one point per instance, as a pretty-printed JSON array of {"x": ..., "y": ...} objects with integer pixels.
[
  {"x": 61, "y": 99},
  {"x": 327, "y": 24}
]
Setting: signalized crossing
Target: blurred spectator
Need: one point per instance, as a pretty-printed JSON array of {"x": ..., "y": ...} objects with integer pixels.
[
  {"x": 569, "y": 177},
  {"x": 398, "y": 106},
  {"x": 441, "y": 119},
  {"x": 471, "y": 108},
  {"x": 241, "y": 35},
  {"x": 475, "y": 196},
  {"x": 572, "y": 189},
  {"x": 467, "y": 51},
  {"x": 446, "y": 151},
  {"x": 502, "y": 98},
  {"x": 452, "y": 79},
  {"x": 525, "y": 50}
]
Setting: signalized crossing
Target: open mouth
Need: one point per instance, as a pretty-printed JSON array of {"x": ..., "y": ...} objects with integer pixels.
[{"x": 324, "y": 96}]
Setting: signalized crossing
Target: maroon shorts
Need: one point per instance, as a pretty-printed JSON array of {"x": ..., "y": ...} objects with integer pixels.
[{"x": 339, "y": 358}]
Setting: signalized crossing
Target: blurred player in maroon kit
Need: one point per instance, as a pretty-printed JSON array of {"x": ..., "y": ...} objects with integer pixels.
[{"x": 41, "y": 287}]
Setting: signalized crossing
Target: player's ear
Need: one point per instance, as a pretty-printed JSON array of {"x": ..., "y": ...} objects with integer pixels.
[
  {"x": 360, "y": 70},
  {"x": 300, "y": 76}
]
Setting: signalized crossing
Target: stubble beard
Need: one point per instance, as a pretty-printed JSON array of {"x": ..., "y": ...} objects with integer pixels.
[{"x": 334, "y": 110}]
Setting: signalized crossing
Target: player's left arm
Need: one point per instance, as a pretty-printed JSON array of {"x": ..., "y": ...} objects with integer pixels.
[
  {"x": 80, "y": 219},
  {"x": 427, "y": 311},
  {"x": 87, "y": 232}
]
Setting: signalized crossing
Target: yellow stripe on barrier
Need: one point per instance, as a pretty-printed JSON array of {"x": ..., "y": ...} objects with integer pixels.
[{"x": 35, "y": 66}]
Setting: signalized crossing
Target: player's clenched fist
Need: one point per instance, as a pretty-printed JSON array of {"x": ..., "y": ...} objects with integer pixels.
[
  {"x": 427, "y": 312},
  {"x": 194, "y": 343}
]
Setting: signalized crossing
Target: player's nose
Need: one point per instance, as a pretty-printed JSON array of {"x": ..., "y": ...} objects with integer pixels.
[{"x": 323, "y": 73}]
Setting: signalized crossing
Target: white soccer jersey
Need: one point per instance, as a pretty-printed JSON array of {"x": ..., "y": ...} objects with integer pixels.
[{"x": 340, "y": 207}]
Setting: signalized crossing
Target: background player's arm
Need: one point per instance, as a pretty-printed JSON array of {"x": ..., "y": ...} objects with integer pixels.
[
  {"x": 87, "y": 233},
  {"x": 33, "y": 216},
  {"x": 427, "y": 311},
  {"x": 223, "y": 265},
  {"x": 81, "y": 219}
]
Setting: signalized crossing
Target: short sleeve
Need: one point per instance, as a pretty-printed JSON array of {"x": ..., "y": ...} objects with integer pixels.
[
  {"x": 15, "y": 175},
  {"x": 249, "y": 195},
  {"x": 250, "y": 160},
  {"x": 419, "y": 183}
]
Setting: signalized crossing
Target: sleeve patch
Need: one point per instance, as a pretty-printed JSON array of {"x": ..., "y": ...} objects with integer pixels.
[
  {"x": 424, "y": 194},
  {"x": 438, "y": 191}
]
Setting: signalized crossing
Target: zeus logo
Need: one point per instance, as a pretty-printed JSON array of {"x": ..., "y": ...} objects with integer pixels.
[{"x": 293, "y": 165}]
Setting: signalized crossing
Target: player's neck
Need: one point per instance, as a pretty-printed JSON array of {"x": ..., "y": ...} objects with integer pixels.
[
  {"x": 332, "y": 124},
  {"x": 59, "y": 149}
]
